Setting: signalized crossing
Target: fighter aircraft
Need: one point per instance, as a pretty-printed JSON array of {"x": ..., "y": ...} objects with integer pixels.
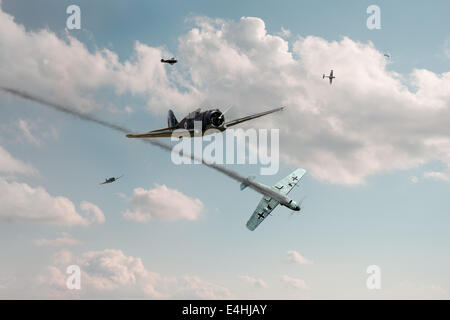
[
  {"x": 273, "y": 196},
  {"x": 210, "y": 119},
  {"x": 329, "y": 77},
  {"x": 170, "y": 61},
  {"x": 111, "y": 180}
]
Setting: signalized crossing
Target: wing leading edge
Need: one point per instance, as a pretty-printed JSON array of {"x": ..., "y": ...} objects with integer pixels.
[{"x": 254, "y": 116}]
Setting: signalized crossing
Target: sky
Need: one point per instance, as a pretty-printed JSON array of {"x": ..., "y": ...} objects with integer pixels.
[{"x": 375, "y": 145}]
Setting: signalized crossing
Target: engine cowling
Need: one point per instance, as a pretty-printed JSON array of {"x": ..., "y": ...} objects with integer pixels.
[{"x": 216, "y": 118}]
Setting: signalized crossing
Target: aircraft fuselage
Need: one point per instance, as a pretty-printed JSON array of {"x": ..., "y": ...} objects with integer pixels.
[{"x": 209, "y": 119}]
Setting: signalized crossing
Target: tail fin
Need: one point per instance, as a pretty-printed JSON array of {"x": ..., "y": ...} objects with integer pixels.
[
  {"x": 171, "y": 119},
  {"x": 244, "y": 185}
]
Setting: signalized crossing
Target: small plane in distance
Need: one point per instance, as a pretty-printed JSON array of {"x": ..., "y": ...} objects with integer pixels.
[
  {"x": 170, "y": 61},
  {"x": 331, "y": 77},
  {"x": 111, "y": 180},
  {"x": 273, "y": 196},
  {"x": 210, "y": 119}
]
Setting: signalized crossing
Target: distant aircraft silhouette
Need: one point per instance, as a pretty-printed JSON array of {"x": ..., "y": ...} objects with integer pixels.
[
  {"x": 111, "y": 180},
  {"x": 170, "y": 61}
]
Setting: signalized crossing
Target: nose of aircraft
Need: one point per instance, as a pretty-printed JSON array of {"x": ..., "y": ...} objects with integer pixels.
[{"x": 294, "y": 206}]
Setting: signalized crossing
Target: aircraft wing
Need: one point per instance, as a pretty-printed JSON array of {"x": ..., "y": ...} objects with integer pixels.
[
  {"x": 285, "y": 185},
  {"x": 262, "y": 211},
  {"x": 254, "y": 116},
  {"x": 167, "y": 132}
]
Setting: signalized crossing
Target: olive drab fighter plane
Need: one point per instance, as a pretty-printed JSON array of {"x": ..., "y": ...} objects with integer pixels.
[
  {"x": 111, "y": 180},
  {"x": 210, "y": 119},
  {"x": 331, "y": 77},
  {"x": 273, "y": 196}
]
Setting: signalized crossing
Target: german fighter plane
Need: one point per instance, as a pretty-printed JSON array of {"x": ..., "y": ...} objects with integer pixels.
[
  {"x": 170, "y": 61},
  {"x": 329, "y": 77},
  {"x": 273, "y": 196},
  {"x": 210, "y": 119},
  {"x": 111, "y": 180}
]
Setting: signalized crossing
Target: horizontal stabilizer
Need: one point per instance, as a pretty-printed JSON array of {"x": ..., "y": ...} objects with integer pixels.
[{"x": 244, "y": 185}]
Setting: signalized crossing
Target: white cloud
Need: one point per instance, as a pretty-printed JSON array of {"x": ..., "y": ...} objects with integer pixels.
[
  {"x": 93, "y": 213},
  {"x": 64, "y": 240},
  {"x": 260, "y": 283},
  {"x": 111, "y": 271},
  {"x": 40, "y": 62},
  {"x": 162, "y": 203},
  {"x": 62, "y": 257},
  {"x": 296, "y": 257},
  {"x": 367, "y": 122},
  {"x": 25, "y": 128},
  {"x": 23, "y": 203},
  {"x": 10, "y": 165},
  {"x": 294, "y": 282}
]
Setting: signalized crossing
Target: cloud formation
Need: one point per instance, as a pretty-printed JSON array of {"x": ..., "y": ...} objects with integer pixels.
[
  {"x": 64, "y": 240},
  {"x": 294, "y": 282},
  {"x": 111, "y": 270},
  {"x": 259, "y": 283},
  {"x": 162, "y": 203},
  {"x": 367, "y": 122},
  {"x": 11, "y": 166},
  {"x": 23, "y": 203},
  {"x": 296, "y": 257},
  {"x": 371, "y": 120},
  {"x": 41, "y": 62}
]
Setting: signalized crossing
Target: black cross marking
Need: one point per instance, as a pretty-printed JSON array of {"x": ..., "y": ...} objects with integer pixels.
[{"x": 260, "y": 216}]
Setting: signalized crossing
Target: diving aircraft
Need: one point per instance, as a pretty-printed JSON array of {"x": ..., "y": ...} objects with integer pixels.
[
  {"x": 210, "y": 119},
  {"x": 273, "y": 196},
  {"x": 111, "y": 180},
  {"x": 329, "y": 77},
  {"x": 170, "y": 61}
]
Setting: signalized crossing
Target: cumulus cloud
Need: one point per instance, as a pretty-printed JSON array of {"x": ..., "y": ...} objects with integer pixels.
[
  {"x": 93, "y": 213},
  {"x": 296, "y": 257},
  {"x": 111, "y": 270},
  {"x": 162, "y": 203},
  {"x": 64, "y": 240},
  {"x": 41, "y": 62},
  {"x": 10, "y": 165},
  {"x": 259, "y": 283},
  {"x": 62, "y": 257},
  {"x": 367, "y": 122},
  {"x": 23, "y": 203},
  {"x": 371, "y": 120},
  {"x": 294, "y": 282}
]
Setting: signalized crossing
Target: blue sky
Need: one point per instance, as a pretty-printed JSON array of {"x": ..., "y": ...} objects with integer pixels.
[{"x": 360, "y": 208}]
